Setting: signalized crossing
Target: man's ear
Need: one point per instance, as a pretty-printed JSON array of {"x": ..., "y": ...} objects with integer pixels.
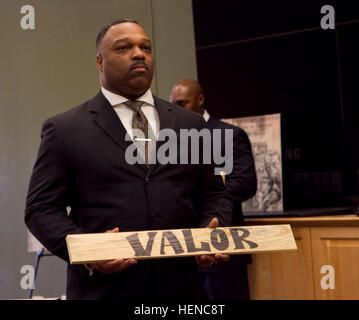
[
  {"x": 200, "y": 99},
  {"x": 99, "y": 61}
]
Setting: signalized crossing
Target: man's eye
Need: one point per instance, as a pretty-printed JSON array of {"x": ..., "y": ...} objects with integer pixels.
[
  {"x": 147, "y": 48},
  {"x": 122, "y": 48}
]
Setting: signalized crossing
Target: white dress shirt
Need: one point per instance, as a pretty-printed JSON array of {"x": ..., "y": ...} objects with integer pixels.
[
  {"x": 125, "y": 113},
  {"x": 205, "y": 115}
]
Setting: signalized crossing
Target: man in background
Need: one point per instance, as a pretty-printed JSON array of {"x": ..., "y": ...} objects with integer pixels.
[{"x": 229, "y": 280}]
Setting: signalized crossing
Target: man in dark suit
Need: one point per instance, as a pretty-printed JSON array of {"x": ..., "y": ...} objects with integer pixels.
[
  {"x": 82, "y": 164},
  {"x": 226, "y": 280}
]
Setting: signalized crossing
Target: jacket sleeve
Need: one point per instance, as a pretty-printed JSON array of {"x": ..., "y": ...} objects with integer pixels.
[
  {"x": 242, "y": 182},
  {"x": 49, "y": 194},
  {"x": 213, "y": 198}
]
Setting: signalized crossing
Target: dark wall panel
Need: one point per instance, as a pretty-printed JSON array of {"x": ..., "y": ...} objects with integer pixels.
[
  {"x": 262, "y": 57},
  {"x": 229, "y": 20},
  {"x": 296, "y": 73}
]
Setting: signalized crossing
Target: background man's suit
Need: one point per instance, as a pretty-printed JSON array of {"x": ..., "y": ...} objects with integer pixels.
[
  {"x": 81, "y": 164},
  {"x": 228, "y": 280}
]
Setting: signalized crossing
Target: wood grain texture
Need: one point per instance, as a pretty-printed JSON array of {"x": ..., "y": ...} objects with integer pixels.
[
  {"x": 284, "y": 275},
  {"x": 330, "y": 220},
  {"x": 339, "y": 248},
  {"x": 323, "y": 241},
  {"x": 153, "y": 244}
]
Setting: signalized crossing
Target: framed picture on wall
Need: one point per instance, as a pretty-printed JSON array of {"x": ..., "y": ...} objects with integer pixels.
[{"x": 264, "y": 133}]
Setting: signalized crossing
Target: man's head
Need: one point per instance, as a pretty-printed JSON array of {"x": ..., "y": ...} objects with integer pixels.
[
  {"x": 124, "y": 58},
  {"x": 188, "y": 94}
]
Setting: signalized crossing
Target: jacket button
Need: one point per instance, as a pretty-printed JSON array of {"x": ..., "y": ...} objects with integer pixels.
[{"x": 147, "y": 180}]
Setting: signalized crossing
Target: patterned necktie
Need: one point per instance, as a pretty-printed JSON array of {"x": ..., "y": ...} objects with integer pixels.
[{"x": 145, "y": 138}]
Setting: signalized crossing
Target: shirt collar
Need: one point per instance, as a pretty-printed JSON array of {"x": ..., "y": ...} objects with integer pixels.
[
  {"x": 205, "y": 115},
  {"x": 115, "y": 99}
]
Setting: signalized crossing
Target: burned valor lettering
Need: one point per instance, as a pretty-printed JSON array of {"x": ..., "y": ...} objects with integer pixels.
[
  {"x": 137, "y": 246},
  {"x": 191, "y": 247},
  {"x": 222, "y": 243},
  {"x": 173, "y": 242},
  {"x": 218, "y": 239},
  {"x": 238, "y": 240}
]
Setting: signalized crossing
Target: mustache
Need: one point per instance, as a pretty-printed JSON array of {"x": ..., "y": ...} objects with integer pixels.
[{"x": 139, "y": 64}]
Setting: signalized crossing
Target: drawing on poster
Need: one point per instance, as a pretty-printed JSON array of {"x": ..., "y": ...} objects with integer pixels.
[{"x": 265, "y": 137}]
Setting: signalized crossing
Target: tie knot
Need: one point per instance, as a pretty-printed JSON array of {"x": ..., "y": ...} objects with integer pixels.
[{"x": 134, "y": 105}]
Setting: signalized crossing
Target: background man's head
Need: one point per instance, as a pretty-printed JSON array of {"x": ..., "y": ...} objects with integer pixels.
[
  {"x": 124, "y": 58},
  {"x": 188, "y": 94}
]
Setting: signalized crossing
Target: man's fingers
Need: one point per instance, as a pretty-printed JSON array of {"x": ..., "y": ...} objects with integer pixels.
[
  {"x": 126, "y": 264},
  {"x": 113, "y": 263},
  {"x": 106, "y": 267},
  {"x": 213, "y": 223},
  {"x": 210, "y": 259},
  {"x": 221, "y": 257},
  {"x": 205, "y": 260},
  {"x": 114, "y": 266},
  {"x": 113, "y": 230}
]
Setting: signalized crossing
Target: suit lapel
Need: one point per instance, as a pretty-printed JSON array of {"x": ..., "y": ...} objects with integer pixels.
[
  {"x": 210, "y": 123},
  {"x": 106, "y": 118},
  {"x": 167, "y": 121}
]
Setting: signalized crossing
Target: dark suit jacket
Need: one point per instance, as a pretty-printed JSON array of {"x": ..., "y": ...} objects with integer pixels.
[
  {"x": 241, "y": 184},
  {"x": 81, "y": 163}
]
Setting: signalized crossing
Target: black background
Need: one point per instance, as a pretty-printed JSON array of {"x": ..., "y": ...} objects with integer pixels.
[{"x": 261, "y": 57}]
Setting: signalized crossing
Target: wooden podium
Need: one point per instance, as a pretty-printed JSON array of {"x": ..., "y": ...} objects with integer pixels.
[
  {"x": 154, "y": 244},
  {"x": 298, "y": 275}
]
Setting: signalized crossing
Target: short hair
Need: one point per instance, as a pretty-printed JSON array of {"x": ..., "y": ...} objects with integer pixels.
[{"x": 104, "y": 29}]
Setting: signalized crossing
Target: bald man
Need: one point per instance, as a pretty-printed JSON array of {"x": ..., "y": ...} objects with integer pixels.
[{"x": 226, "y": 281}]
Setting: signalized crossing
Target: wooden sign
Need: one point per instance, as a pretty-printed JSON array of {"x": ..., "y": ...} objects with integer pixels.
[{"x": 95, "y": 247}]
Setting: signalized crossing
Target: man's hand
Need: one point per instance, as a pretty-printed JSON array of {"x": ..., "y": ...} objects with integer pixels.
[
  {"x": 207, "y": 260},
  {"x": 113, "y": 266}
]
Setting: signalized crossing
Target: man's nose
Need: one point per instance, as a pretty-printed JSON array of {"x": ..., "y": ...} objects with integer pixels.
[{"x": 138, "y": 53}]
